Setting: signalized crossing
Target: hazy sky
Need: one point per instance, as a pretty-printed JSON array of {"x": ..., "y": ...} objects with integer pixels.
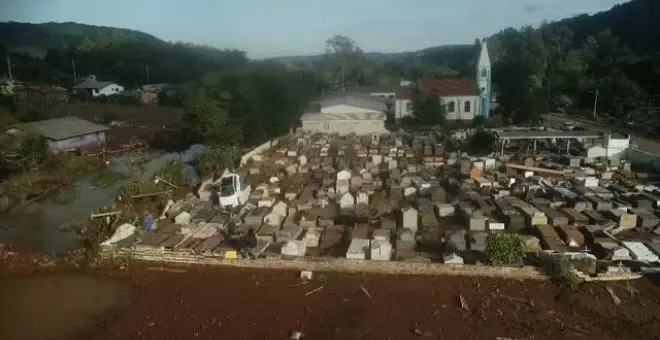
[{"x": 266, "y": 28}]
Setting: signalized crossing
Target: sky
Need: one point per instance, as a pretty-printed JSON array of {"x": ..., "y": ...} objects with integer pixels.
[{"x": 268, "y": 28}]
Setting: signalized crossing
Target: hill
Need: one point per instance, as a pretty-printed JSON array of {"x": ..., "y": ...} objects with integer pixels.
[{"x": 25, "y": 37}]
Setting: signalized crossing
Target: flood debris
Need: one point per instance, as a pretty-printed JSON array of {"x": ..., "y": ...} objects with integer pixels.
[
  {"x": 364, "y": 290},
  {"x": 615, "y": 299},
  {"x": 462, "y": 301},
  {"x": 314, "y": 291},
  {"x": 306, "y": 275}
]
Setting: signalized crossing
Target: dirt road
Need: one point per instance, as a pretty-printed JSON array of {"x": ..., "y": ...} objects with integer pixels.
[{"x": 231, "y": 303}]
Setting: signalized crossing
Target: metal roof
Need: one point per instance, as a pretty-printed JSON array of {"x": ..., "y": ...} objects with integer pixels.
[
  {"x": 359, "y": 100},
  {"x": 93, "y": 84},
  {"x": 547, "y": 134},
  {"x": 63, "y": 128},
  {"x": 344, "y": 116}
]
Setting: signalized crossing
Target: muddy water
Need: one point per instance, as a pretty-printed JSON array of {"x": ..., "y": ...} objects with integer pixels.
[
  {"x": 55, "y": 307},
  {"x": 38, "y": 225}
]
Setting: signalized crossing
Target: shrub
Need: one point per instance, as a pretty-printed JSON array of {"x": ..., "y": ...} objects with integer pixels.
[
  {"x": 107, "y": 178},
  {"x": 171, "y": 172},
  {"x": 559, "y": 268},
  {"x": 212, "y": 162},
  {"x": 504, "y": 248}
]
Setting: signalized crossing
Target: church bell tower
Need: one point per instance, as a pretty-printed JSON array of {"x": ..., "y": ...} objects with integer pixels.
[{"x": 484, "y": 81}]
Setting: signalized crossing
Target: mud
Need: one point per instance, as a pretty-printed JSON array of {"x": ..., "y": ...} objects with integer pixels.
[{"x": 56, "y": 307}]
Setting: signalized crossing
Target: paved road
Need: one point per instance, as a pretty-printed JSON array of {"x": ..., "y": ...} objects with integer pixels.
[{"x": 643, "y": 143}]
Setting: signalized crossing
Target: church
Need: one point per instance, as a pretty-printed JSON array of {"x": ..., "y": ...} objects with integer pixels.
[{"x": 463, "y": 98}]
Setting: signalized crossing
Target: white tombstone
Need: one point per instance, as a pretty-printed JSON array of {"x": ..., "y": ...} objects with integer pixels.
[
  {"x": 302, "y": 160},
  {"x": 362, "y": 198},
  {"x": 409, "y": 191},
  {"x": 295, "y": 248},
  {"x": 410, "y": 217},
  {"x": 291, "y": 169},
  {"x": 280, "y": 208},
  {"x": 344, "y": 175},
  {"x": 377, "y": 159},
  {"x": 381, "y": 251},
  {"x": 347, "y": 201}
]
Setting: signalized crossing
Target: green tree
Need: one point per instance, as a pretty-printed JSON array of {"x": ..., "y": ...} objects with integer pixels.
[
  {"x": 207, "y": 117},
  {"x": 482, "y": 142},
  {"x": 345, "y": 63},
  {"x": 428, "y": 109}
]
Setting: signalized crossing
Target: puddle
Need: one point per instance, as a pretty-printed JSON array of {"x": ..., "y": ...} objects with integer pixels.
[
  {"x": 38, "y": 224},
  {"x": 55, "y": 307}
]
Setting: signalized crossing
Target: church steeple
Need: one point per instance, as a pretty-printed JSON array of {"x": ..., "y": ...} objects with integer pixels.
[{"x": 484, "y": 80}]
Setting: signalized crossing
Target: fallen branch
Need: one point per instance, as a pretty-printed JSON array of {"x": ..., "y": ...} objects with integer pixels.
[
  {"x": 152, "y": 194},
  {"x": 464, "y": 304},
  {"x": 615, "y": 298},
  {"x": 112, "y": 213},
  {"x": 160, "y": 179},
  {"x": 314, "y": 291},
  {"x": 365, "y": 291},
  {"x": 170, "y": 270}
]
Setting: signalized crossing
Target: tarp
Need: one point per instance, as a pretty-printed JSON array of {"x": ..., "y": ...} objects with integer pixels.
[{"x": 123, "y": 231}]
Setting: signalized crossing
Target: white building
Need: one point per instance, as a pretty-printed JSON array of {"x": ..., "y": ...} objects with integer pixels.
[
  {"x": 98, "y": 88},
  {"x": 347, "y": 113},
  {"x": 463, "y": 98}
]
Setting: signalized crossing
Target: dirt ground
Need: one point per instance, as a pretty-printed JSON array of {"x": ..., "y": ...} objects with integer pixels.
[{"x": 232, "y": 303}]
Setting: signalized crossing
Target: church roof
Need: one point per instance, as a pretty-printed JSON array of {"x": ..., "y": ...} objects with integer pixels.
[{"x": 442, "y": 87}]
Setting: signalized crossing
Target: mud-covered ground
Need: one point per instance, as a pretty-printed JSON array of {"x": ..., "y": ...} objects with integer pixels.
[{"x": 135, "y": 301}]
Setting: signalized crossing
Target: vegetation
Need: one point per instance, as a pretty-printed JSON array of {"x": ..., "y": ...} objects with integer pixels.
[
  {"x": 560, "y": 270},
  {"x": 428, "y": 110},
  {"x": 214, "y": 161},
  {"x": 481, "y": 142},
  {"x": 504, "y": 248},
  {"x": 107, "y": 178},
  {"x": 171, "y": 172},
  {"x": 66, "y": 195}
]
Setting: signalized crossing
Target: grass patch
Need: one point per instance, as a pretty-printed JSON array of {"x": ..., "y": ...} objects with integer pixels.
[
  {"x": 171, "y": 172},
  {"x": 108, "y": 178}
]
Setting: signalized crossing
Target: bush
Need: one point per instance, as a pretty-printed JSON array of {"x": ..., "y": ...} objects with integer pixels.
[
  {"x": 108, "y": 178},
  {"x": 479, "y": 122},
  {"x": 171, "y": 172},
  {"x": 482, "y": 142},
  {"x": 505, "y": 248},
  {"x": 138, "y": 188},
  {"x": 212, "y": 162},
  {"x": 559, "y": 268}
]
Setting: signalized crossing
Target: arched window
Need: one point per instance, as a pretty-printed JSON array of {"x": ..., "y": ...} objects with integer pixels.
[
  {"x": 451, "y": 107},
  {"x": 467, "y": 107},
  {"x": 484, "y": 72}
]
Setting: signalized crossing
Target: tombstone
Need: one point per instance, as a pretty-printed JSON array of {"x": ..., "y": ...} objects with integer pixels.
[
  {"x": 344, "y": 175},
  {"x": 409, "y": 191},
  {"x": 376, "y": 159},
  {"x": 393, "y": 164},
  {"x": 280, "y": 208},
  {"x": 302, "y": 160},
  {"x": 356, "y": 181},
  {"x": 347, "y": 201},
  {"x": 362, "y": 198},
  {"x": 410, "y": 219},
  {"x": 291, "y": 169}
]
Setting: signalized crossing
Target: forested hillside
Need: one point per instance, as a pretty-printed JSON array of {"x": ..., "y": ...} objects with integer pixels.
[{"x": 560, "y": 66}]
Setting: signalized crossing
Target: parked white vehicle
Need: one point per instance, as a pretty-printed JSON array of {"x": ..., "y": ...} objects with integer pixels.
[{"x": 234, "y": 190}]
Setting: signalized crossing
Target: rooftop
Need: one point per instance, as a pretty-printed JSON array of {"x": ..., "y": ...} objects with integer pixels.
[
  {"x": 63, "y": 128},
  {"x": 360, "y": 100},
  {"x": 441, "y": 87},
  {"x": 547, "y": 134},
  {"x": 93, "y": 84},
  {"x": 344, "y": 116}
]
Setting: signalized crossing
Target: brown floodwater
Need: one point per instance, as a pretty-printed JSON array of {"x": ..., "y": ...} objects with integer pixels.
[{"x": 56, "y": 307}]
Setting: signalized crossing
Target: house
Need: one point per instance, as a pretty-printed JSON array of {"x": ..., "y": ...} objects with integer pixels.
[
  {"x": 463, "y": 98},
  {"x": 42, "y": 95},
  {"x": 346, "y": 113},
  {"x": 98, "y": 88},
  {"x": 68, "y": 133}
]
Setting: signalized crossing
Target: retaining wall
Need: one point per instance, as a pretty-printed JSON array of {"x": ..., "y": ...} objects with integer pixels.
[
  {"x": 259, "y": 149},
  {"x": 336, "y": 265}
]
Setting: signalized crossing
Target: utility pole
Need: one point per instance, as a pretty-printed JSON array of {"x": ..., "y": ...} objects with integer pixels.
[
  {"x": 9, "y": 67},
  {"x": 73, "y": 67},
  {"x": 146, "y": 68},
  {"x": 596, "y": 102}
]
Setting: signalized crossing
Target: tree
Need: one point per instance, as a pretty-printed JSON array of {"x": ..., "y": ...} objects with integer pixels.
[
  {"x": 207, "y": 117},
  {"x": 504, "y": 248},
  {"x": 345, "y": 63},
  {"x": 482, "y": 142},
  {"x": 427, "y": 109}
]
